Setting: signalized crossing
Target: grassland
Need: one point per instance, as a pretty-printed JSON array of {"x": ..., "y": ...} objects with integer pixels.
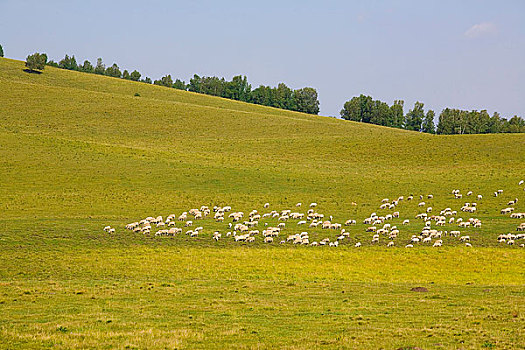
[{"x": 79, "y": 151}]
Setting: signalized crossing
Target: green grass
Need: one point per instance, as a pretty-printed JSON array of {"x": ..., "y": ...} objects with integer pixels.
[{"x": 79, "y": 151}]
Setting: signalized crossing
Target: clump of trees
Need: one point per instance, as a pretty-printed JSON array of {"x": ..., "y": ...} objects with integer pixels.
[
  {"x": 36, "y": 61},
  {"x": 456, "y": 121},
  {"x": 451, "y": 121},
  {"x": 367, "y": 110},
  {"x": 302, "y": 100}
]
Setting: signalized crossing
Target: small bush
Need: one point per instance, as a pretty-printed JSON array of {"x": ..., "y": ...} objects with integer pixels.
[{"x": 62, "y": 329}]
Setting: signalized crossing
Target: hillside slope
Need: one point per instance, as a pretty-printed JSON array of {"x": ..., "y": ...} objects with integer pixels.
[
  {"x": 79, "y": 152},
  {"x": 67, "y": 136}
]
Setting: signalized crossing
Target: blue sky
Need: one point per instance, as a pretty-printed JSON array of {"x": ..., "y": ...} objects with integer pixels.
[{"x": 463, "y": 54}]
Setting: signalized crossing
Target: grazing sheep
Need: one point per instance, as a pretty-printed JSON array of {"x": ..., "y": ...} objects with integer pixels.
[{"x": 357, "y": 245}]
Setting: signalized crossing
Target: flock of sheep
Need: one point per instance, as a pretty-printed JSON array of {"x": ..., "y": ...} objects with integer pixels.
[{"x": 291, "y": 226}]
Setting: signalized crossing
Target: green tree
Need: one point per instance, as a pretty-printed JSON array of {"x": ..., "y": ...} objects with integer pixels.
[
  {"x": 135, "y": 75},
  {"x": 444, "y": 126},
  {"x": 306, "y": 100},
  {"x": 125, "y": 74},
  {"x": 381, "y": 114},
  {"x": 147, "y": 80},
  {"x": 359, "y": 109},
  {"x": 100, "y": 68},
  {"x": 36, "y": 61},
  {"x": 414, "y": 117},
  {"x": 495, "y": 123},
  {"x": 284, "y": 97},
  {"x": 261, "y": 96},
  {"x": 1, "y": 51},
  {"x": 428, "y": 123},
  {"x": 164, "y": 81},
  {"x": 87, "y": 67},
  {"x": 69, "y": 63},
  {"x": 352, "y": 110},
  {"x": 195, "y": 84},
  {"x": 179, "y": 84},
  {"x": 52, "y": 64},
  {"x": 398, "y": 116},
  {"x": 516, "y": 124},
  {"x": 213, "y": 86},
  {"x": 113, "y": 71},
  {"x": 238, "y": 88}
]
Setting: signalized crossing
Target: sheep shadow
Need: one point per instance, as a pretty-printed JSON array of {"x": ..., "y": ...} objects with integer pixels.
[{"x": 30, "y": 71}]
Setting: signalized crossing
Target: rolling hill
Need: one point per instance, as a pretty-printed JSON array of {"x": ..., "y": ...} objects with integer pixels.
[{"x": 81, "y": 151}]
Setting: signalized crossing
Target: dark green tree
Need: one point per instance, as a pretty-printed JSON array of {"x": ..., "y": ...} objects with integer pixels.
[
  {"x": 213, "y": 86},
  {"x": 36, "y": 61},
  {"x": 179, "y": 84},
  {"x": 135, "y": 75},
  {"x": 515, "y": 124},
  {"x": 100, "y": 68},
  {"x": 445, "y": 126},
  {"x": 195, "y": 84},
  {"x": 69, "y": 63},
  {"x": 147, "y": 80},
  {"x": 1, "y": 51},
  {"x": 359, "y": 109},
  {"x": 238, "y": 89},
  {"x": 414, "y": 117},
  {"x": 284, "y": 97},
  {"x": 113, "y": 71},
  {"x": 381, "y": 114},
  {"x": 428, "y": 123},
  {"x": 164, "y": 81},
  {"x": 495, "y": 123},
  {"x": 52, "y": 64},
  {"x": 87, "y": 67},
  {"x": 125, "y": 74},
  {"x": 261, "y": 96},
  {"x": 398, "y": 116},
  {"x": 306, "y": 100}
]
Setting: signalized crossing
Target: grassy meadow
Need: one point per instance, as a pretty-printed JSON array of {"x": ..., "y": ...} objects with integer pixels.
[{"x": 79, "y": 152}]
